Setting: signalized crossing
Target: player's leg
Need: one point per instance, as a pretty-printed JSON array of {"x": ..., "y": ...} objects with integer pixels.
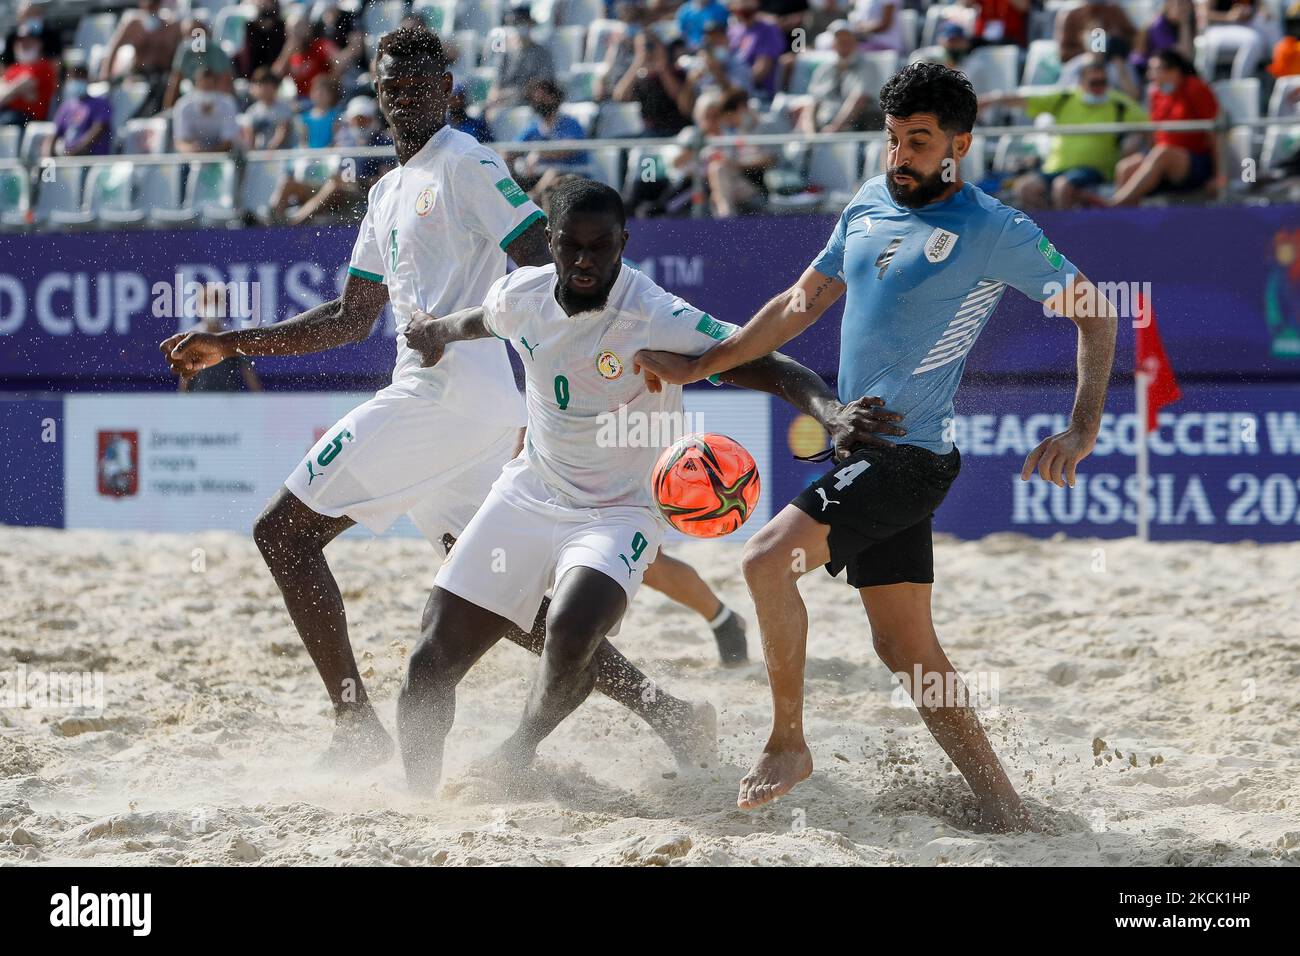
[
  {"x": 292, "y": 538},
  {"x": 774, "y": 560},
  {"x": 683, "y": 584},
  {"x": 586, "y": 606},
  {"x": 902, "y": 631},
  {"x": 690, "y": 731},
  {"x": 454, "y": 634}
]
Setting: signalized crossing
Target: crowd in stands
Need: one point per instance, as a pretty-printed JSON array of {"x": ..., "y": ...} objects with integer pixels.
[{"x": 282, "y": 74}]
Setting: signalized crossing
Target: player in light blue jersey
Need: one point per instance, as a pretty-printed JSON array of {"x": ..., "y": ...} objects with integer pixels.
[{"x": 924, "y": 259}]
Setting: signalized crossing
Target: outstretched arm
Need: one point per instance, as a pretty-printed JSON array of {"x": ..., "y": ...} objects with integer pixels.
[
  {"x": 341, "y": 321},
  {"x": 850, "y": 426},
  {"x": 430, "y": 335},
  {"x": 1056, "y": 457},
  {"x": 783, "y": 318}
]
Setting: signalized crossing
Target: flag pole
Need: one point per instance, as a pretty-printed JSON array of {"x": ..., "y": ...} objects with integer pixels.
[{"x": 1140, "y": 382}]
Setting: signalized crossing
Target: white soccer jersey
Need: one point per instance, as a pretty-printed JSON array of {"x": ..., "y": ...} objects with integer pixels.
[
  {"x": 594, "y": 429},
  {"x": 435, "y": 233}
]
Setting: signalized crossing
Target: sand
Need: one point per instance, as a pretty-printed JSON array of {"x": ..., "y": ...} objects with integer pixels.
[{"x": 1148, "y": 707}]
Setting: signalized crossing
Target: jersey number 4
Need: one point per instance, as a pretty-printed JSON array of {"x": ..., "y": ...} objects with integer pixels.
[{"x": 844, "y": 477}]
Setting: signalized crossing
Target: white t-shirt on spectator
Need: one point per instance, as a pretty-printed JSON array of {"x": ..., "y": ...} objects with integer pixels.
[
  {"x": 206, "y": 118},
  {"x": 871, "y": 11}
]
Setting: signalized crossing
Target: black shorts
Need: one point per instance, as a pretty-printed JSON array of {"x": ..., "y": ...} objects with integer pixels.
[{"x": 878, "y": 503}]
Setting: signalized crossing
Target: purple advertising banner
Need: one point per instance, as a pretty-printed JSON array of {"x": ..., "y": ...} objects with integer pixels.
[
  {"x": 1225, "y": 465},
  {"x": 83, "y": 309}
]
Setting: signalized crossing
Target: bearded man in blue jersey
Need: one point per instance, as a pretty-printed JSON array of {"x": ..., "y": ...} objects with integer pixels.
[{"x": 924, "y": 259}]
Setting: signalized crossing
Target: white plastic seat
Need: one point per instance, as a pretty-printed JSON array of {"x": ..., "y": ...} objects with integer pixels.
[
  {"x": 58, "y": 197},
  {"x": 109, "y": 194},
  {"x": 94, "y": 28},
  {"x": 478, "y": 15},
  {"x": 438, "y": 15},
  {"x": 260, "y": 179},
  {"x": 1042, "y": 63},
  {"x": 580, "y": 82},
  {"x": 619, "y": 120},
  {"x": 144, "y": 136},
  {"x": 566, "y": 46},
  {"x": 510, "y": 123},
  {"x": 805, "y": 65},
  {"x": 382, "y": 17},
  {"x": 11, "y": 137},
  {"x": 34, "y": 137},
  {"x": 15, "y": 194},
  {"x": 1239, "y": 99},
  {"x": 600, "y": 34}
]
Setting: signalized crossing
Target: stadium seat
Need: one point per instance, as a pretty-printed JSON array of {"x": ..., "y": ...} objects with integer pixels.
[
  {"x": 34, "y": 137},
  {"x": 467, "y": 48},
  {"x": 805, "y": 64},
  {"x": 478, "y": 84},
  {"x": 600, "y": 34},
  {"x": 510, "y": 123},
  {"x": 879, "y": 66},
  {"x": 545, "y": 12},
  {"x": 1042, "y": 64},
  {"x": 993, "y": 68},
  {"x": 95, "y": 28},
  {"x": 495, "y": 44},
  {"x": 438, "y": 15},
  {"x": 655, "y": 161},
  {"x": 144, "y": 136},
  {"x": 1240, "y": 157},
  {"x": 873, "y": 158},
  {"x": 975, "y": 166},
  {"x": 619, "y": 120},
  {"x": 937, "y": 13},
  {"x": 579, "y": 12},
  {"x": 228, "y": 27},
  {"x": 15, "y": 195},
  {"x": 566, "y": 46},
  {"x": 58, "y": 195},
  {"x": 11, "y": 138},
  {"x": 580, "y": 82},
  {"x": 1239, "y": 99},
  {"x": 1141, "y": 12},
  {"x": 260, "y": 179},
  {"x": 382, "y": 16},
  {"x": 910, "y": 22},
  {"x": 584, "y": 113},
  {"x": 158, "y": 191},
  {"x": 837, "y": 169},
  {"x": 314, "y": 169},
  {"x": 478, "y": 15},
  {"x": 126, "y": 99},
  {"x": 212, "y": 191},
  {"x": 109, "y": 194},
  {"x": 1277, "y": 101},
  {"x": 606, "y": 166}
]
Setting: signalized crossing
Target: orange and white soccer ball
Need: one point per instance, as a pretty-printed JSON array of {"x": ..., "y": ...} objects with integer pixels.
[{"x": 706, "y": 485}]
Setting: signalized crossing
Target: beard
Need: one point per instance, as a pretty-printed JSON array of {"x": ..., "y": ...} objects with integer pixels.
[
  {"x": 921, "y": 192},
  {"x": 575, "y": 303}
]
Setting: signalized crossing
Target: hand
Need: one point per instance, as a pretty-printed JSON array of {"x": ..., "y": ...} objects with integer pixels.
[
  {"x": 859, "y": 422},
  {"x": 428, "y": 336},
  {"x": 1056, "y": 456},
  {"x": 188, "y": 353},
  {"x": 660, "y": 367}
]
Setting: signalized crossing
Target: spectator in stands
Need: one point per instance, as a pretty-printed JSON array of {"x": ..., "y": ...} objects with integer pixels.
[
  {"x": 789, "y": 15},
  {"x": 1240, "y": 29},
  {"x": 839, "y": 96},
  {"x": 264, "y": 38},
  {"x": 714, "y": 66},
  {"x": 29, "y": 83},
  {"x": 759, "y": 43},
  {"x": 1174, "y": 28},
  {"x": 1180, "y": 161},
  {"x": 83, "y": 124},
  {"x": 307, "y": 54},
  {"x": 235, "y": 374},
  {"x": 1000, "y": 21},
  {"x": 321, "y": 118},
  {"x": 523, "y": 61},
  {"x": 734, "y": 173},
  {"x": 1076, "y": 164},
  {"x": 1074, "y": 30},
  {"x": 458, "y": 117},
  {"x": 545, "y": 98},
  {"x": 878, "y": 25},
  {"x": 205, "y": 120},
  {"x": 342, "y": 29},
  {"x": 621, "y": 51},
  {"x": 268, "y": 120},
  {"x": 31, "y": 16},
  {"x": 197, "y": 48},
  {"x": 693, "y": 15},
  {"x": 658, "y": 84},
  {"x": 154, "y": 36},
  {"x": 951, "y": 49}
]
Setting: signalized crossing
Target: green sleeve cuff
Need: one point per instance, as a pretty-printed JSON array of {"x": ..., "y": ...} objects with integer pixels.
[
  {"x": 714, "y": 379},
  {"x": 518, "y": 231},
  {"x": 362, "y": 273}
]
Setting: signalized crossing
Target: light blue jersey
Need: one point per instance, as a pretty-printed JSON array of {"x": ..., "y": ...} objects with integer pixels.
[{"x": 921, "y": 285}]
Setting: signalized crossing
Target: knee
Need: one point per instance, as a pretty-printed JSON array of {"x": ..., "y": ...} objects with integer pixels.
[
  {"x": 1062, "y": 192},
  {"x": 887, "y": 647},
  {"x": 766, "y": 562},
  {"x": 268, "y": 533},
  {"x": 571, "y": 638},
  {"x": 426, "y": 669}
]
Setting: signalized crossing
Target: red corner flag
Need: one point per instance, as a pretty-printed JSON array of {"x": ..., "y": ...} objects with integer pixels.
[{"x": 1162, "y": 387}]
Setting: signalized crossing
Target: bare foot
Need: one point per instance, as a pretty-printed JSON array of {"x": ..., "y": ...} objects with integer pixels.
[
  {"x": 776, "y": 773},
  {"x": 694, "y": 745},
  {"x": 359, "y": 743},
  {"x": 1006, "y": 816}
]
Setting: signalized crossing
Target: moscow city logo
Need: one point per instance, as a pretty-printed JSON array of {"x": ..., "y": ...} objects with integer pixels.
[
  {"x": 424, "y": 201},
  {"x": 609, "y": 365},
  {"x": 117, "y": 463}
]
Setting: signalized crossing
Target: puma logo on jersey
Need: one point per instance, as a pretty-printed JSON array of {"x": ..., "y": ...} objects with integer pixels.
[
  {"x": 826, "y": 502},
  {"x": 311, "y": 475},
  {"x": 628, "y": 563},
  {"x": 530, "y": 347},
  {"x": 487, "y": 162}
]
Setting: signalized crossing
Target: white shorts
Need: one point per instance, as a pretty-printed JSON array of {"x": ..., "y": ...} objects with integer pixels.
[
  {"x": 396, "y": 455},
  {"x": 521, "y": 542}
]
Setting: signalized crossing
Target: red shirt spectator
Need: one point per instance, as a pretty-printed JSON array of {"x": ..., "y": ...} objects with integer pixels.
[
  {"x": 35, "y": 105},
  {"x": 304, "y": 67},
  {"x": 1001, "y": 21},
  {"x": 1190, "y": 99}
]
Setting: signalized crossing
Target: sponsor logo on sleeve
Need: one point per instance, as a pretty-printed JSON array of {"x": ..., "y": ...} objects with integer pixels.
[
  {"x": 1054, "y": 258},
  {"x": 510, "y": 189}
]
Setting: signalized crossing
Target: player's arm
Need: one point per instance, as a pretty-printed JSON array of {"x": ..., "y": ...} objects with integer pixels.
[
  {"x": 531, "y": 248},
  {"x": 430, "y": 335},
  {"x": 850, "y": 426},
  {"x": 784, "y": 317},
  {"x": 1057, "y": 456},
  {"x": 341, "y": 321}
]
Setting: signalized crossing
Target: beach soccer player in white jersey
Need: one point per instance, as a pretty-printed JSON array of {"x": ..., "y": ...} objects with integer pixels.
[
  {"x": 436, "y": 234},
  {"x": 574, "y": 513},
  {"x": 924, "y": 259}
]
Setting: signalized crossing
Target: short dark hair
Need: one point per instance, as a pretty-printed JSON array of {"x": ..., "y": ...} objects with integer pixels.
[
  {"x": 407, "y": 43},
  {"x": 1175, "y": 60},
  {"x": 585, "y": 196},
  {"x": 931, "y": 88},
  {"x": 263, "y": 74},
  {"x": 540, "y": 84}
]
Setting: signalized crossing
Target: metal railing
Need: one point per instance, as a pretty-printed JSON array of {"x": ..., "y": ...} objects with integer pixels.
[{"x": 1219, "y": 129}]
